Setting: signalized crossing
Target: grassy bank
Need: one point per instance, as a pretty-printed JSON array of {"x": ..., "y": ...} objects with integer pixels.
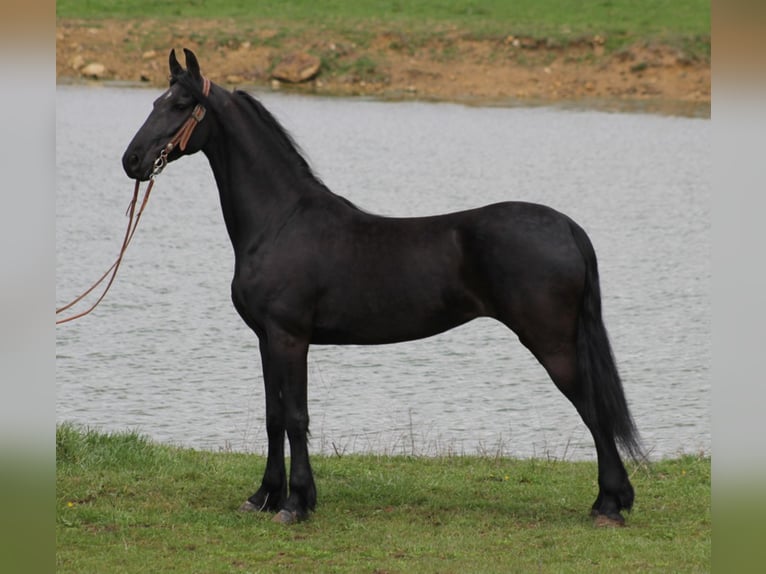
[
  {"x": 614, "y": 18},
  {"x": 125, "y": 504}
]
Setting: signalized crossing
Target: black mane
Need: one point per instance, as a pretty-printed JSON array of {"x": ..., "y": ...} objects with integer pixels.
[
  {"x": 281, "y": 139},
  {"x": 276, "y": 133},
  {"x": 254, "y": 111}
]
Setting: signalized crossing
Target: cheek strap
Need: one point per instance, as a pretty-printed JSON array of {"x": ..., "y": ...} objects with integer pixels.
[{"x": 184, "y": 133}]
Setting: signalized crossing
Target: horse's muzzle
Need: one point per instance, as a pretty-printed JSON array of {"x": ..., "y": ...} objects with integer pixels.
[{"x": 136, "y": 164}]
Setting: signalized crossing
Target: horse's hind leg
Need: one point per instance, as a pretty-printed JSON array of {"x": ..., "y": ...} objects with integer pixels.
[
  {"x": 615, "y": 491},
  {"x": 549, "y": 328}
]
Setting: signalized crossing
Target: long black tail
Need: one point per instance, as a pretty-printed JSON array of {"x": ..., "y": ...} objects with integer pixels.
[{"x": 605, "y": 403}]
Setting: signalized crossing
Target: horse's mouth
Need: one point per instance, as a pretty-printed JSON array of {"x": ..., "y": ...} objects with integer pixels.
[{"x": 141, "y": 166}]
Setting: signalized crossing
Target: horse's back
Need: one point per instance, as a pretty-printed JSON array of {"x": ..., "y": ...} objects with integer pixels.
[{"x": 391, "y": 279}]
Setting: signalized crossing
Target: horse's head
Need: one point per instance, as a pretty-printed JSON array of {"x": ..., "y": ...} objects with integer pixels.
[{"x": 175, "y": 127}]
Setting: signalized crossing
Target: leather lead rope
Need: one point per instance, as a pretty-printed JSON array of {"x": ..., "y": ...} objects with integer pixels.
[
  {"x": 181, "y": 138},
  {"x": 129, "y": 231}
]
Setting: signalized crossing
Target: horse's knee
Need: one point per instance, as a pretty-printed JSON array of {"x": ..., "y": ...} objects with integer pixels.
[{"x": 297, "y": 423}]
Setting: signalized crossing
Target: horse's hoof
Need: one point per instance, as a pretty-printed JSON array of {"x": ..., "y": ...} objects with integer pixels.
[
  {"x": 285, "y": 517},
  {"x": 607, "y": 521},
  {"x": 248, "y": 506}
]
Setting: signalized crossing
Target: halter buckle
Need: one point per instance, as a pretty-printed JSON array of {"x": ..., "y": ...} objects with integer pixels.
[{"x": 198, "y": 113}]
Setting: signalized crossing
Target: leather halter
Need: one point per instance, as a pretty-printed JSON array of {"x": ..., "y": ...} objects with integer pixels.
[
  {"x": 181, "y": 138},
  {"x": 198, "y": 113}
]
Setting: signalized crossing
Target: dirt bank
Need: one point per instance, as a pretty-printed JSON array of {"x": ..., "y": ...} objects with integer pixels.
[{"x": 449, "y": 65}]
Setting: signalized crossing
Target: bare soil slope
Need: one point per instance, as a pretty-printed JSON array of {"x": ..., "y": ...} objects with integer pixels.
[{"x": 449, "y": 65}]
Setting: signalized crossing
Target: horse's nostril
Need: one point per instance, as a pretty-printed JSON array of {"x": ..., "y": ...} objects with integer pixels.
[{"x": 131, "y": 162}]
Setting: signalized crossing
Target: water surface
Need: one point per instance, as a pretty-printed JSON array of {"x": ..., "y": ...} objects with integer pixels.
[{"x": 167, "y": 354}]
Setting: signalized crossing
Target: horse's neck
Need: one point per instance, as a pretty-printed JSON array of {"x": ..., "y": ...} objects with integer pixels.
[{"x": 255, "y": 197}]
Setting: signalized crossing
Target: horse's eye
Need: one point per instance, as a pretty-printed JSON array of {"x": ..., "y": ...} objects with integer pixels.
[{"x": 182, "y": 104}]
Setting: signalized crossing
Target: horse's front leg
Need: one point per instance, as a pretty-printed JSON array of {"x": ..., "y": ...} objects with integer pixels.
[
  {"x": 272, "y": 494},
  {"x": 287, "y": 367}
]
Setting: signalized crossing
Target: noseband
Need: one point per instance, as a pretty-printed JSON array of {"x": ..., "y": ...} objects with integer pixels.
[{"x": 183, "y": 134}]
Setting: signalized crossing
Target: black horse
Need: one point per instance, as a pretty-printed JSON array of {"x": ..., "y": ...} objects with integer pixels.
[{"x": 311, "y": 268}]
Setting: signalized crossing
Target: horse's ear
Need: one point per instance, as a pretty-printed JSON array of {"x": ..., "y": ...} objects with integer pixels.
[
  {"x": 192, "y": 64},
  {"x": 175, "y": 67}
]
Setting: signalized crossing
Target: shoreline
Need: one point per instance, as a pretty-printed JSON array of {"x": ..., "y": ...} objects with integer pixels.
[
  {"x": 662, "y": 107},
  {"x": 446, "y": 67}
]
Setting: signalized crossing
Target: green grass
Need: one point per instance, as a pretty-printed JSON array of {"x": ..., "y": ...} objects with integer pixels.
[
  {"x": 626, "y": 19},
  {"x": 124, "y": 504}
]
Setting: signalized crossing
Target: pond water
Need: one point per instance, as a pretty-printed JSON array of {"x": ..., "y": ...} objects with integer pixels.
[{"x": 166, "y": 353}]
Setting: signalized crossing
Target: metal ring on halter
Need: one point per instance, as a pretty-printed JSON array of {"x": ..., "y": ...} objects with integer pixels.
[{"x": 159, "y": 164}]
